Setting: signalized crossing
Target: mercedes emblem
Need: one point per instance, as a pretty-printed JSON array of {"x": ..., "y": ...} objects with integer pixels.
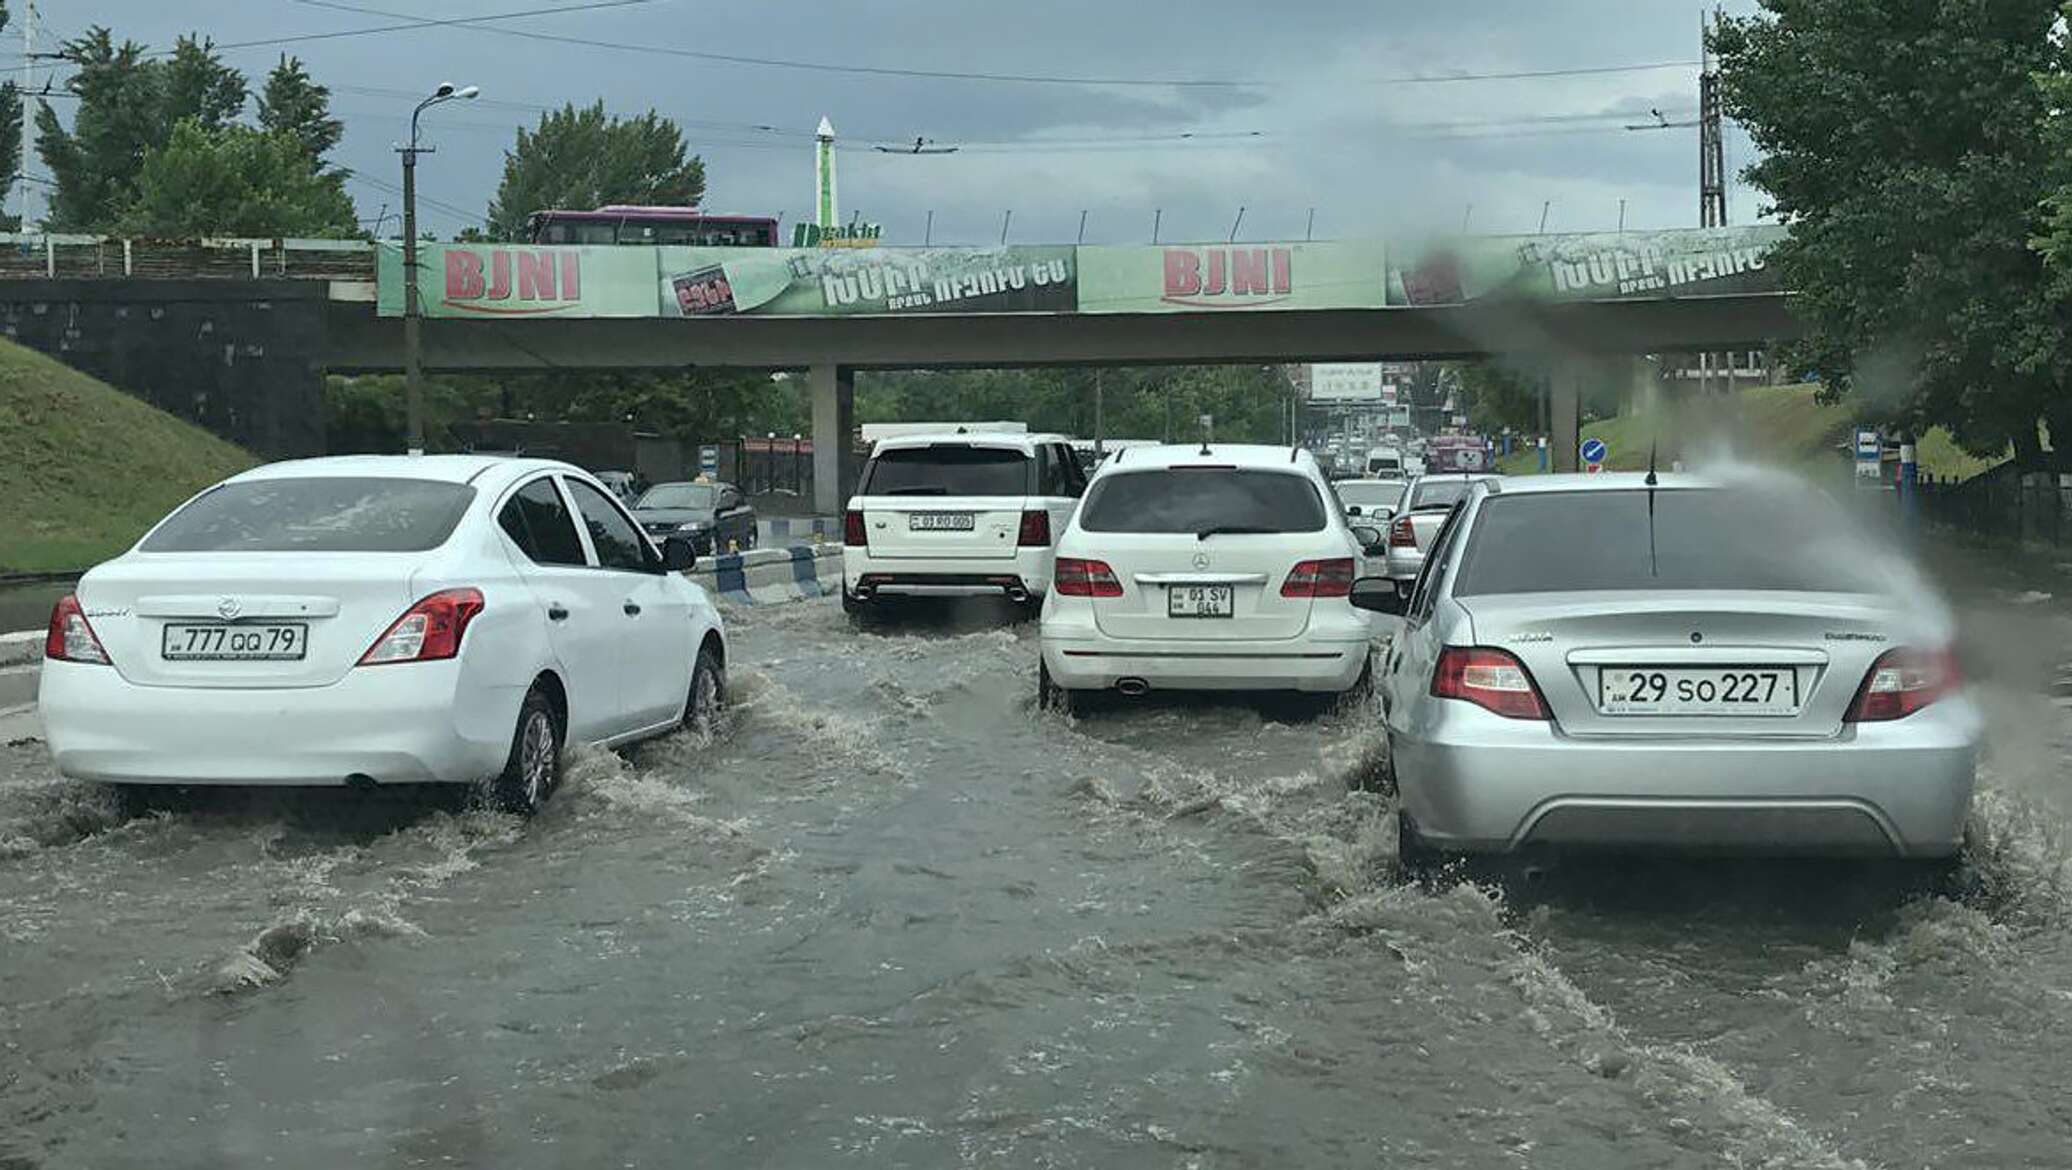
[{"x": 1201, "y": 560}]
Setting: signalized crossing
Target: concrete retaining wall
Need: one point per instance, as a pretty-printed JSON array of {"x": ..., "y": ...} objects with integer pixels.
[
  {"x": 27, "y": 645},
  {"x": 771, "y": 575}
]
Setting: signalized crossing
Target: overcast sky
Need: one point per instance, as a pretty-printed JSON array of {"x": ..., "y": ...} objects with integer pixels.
[{"x": 1321, "y": 120}]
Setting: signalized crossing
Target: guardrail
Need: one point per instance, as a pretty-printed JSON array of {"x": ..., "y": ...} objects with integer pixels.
[{"x": 29, "y": 255}]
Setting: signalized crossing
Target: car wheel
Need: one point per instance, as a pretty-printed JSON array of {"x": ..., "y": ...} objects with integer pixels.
[
  {"x": 534, "y": 765},
  {"x": 708, "y": 695},
  {"x": 1415, "y": 857},
  {"x": 1049, "y": 695},
  {"x": 853, "y": 605}
]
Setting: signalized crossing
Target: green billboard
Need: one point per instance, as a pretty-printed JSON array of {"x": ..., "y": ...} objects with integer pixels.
[
  {"x": 491, "y": 281},
  {"x": 842, "y": 282},
  {"x": 1652, "y": 265},
  {"x": 1218, "y": 278}
]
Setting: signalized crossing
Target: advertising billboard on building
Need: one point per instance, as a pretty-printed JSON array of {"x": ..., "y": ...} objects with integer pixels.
[
  {"x": 1345, "y": 382},
  {"x": 1588, "y": 267},
  {"x": 841, "y": 282},
  {"x": 492, "y": 281},
  {"x": 1196, "y": 278}
]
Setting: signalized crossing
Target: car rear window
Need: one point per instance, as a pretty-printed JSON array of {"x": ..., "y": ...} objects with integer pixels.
[
  {"x": 1439, "y": 493},
  {"x": 326, "y": 514},
  {"x": 1199, "y": 499},
  {"x": 1697, "y": 539},
  {"x": 1371, "y": 495},
  {"x": 948, "y": 469}
]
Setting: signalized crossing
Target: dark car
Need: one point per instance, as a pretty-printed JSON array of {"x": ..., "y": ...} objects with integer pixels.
[{"x": 709, "y": 515}]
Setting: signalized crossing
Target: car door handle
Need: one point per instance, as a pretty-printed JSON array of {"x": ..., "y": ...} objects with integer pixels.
[
  {"x": 555, "y": 613},
  {"x": 632, "y": 609}
]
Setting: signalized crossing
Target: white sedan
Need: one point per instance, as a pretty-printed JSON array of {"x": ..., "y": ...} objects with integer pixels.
[
  {"x": 1217, "y": 568},
  {"x": 379, "y": 620}
]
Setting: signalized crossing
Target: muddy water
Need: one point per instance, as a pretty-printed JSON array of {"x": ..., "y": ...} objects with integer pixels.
[{"x": 890, "y": 914}]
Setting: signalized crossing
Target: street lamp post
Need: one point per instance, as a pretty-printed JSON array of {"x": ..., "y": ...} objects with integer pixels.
[{"x": 413, "y": 372}]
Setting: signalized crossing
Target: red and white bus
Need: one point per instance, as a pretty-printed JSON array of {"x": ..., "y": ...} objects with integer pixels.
[{"x": 626, "y": 223}]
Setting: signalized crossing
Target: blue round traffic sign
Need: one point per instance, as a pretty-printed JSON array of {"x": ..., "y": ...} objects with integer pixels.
[{"x": 1593, "y": 450}]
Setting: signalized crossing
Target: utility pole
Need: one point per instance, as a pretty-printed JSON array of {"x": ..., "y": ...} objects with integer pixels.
[
  {"x": 1098, "y": 389},
  {"x": 413, "y": 343},
  {"x": 1712, "y": 161},
  {"x": 21, "y": 167}
]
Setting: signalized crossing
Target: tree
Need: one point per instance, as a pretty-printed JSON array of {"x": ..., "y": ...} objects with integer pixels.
[
  {"x": 129, "y": 105},
  {"x": 1904, "y": 145},
  {"x": 1496, "y": 396},
  {"x": 235, "y": 180},
  {"x": 580, "y": 158},
  {"x": 294, "y": 104}
]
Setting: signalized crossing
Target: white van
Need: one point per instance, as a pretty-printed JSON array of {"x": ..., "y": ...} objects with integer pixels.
[{"x": 1385, "y": 463}]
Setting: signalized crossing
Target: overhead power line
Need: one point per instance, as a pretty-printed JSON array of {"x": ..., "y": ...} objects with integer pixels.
[
  {"x": 417, "y": 23},
  {"x": 974, "y": 75}
]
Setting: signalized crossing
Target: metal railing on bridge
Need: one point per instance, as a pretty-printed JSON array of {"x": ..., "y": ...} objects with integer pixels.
[{"x": 29, "y": 255}]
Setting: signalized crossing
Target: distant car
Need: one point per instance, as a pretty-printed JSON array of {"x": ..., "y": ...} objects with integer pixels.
[
  {"x": 1370, "y": 501},
  {"x": 1223, "y": 567},
  {"x": 372, "y": 620},
  {"x": 960, "y": 515},
  {"x": 1589, "y": 661},
  {"x": 1425, "y": 504},
  {"x": 622, "y": 484},
  {"x": 713, "y": 517}
]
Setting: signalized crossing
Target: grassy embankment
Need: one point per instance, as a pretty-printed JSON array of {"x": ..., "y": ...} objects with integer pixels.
[
  {"x": 85, "y": 468},
  {"x": 1784, "y": 425}
]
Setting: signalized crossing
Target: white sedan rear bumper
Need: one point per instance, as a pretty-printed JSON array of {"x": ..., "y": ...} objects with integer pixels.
[
  {"x": 401, "y": 724},
  {"x": 1328, "y": 658}
]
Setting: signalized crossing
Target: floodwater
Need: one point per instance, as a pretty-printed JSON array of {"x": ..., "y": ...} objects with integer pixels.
[{"x": 892, "y": 915}]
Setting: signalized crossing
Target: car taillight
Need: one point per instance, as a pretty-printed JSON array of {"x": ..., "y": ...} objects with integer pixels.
[
  {"x": 1902, "y": 681},
  {"x": 429, "y": 630},
  {"x": 1330, "y": 578},
  {"x": 1035, "y": 529},
  {"x": 70, "y": 638},
  {"x": 1489, "y": 678},
  {"x": 1401, "y": 535},
  {"x": 1073, "y": 577},
  {"x": 852, "y": 529}
]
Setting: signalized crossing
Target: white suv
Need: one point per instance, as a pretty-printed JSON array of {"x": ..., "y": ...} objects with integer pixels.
[
  {"x": 1205, "y": 568},
  {"x": 958, "y": 515}
]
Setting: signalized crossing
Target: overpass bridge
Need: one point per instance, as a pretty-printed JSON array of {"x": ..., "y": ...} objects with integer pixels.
[{"x": 238, "y": 333}]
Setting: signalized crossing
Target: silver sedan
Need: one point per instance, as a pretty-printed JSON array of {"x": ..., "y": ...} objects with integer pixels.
[{"x": 1612, "y": 661}]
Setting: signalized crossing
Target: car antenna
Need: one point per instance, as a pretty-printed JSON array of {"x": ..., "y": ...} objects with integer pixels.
[
  {"x": 1204, "y": 448},
  {"x": 1653, "y": 569}
]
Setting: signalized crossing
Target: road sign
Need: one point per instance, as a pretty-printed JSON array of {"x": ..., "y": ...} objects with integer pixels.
[
  {"x": 708, "y": 459},
  {"x": 1592, "y": 468},
  {"x": 1593, "y": 450},
  {"x": 1868, "y": 443}
]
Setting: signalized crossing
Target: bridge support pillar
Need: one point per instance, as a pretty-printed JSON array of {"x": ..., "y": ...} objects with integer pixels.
[
  {"x": 1565, "y": 400},
  {"x": 834, "y": 425}
]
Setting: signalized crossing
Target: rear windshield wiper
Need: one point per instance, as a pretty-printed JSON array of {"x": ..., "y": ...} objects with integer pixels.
[
  {"x": 1234, "y": 530},
  {"x": 932, "y": 490}
]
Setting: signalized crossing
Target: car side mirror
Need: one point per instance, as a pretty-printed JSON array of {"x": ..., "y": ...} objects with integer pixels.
[
  {"x": 1369, "y": 538},
  {"x": 1352, "y": 509},
  {"x": 678, "y": 555},
  {"x": 1377, "y": 595}
]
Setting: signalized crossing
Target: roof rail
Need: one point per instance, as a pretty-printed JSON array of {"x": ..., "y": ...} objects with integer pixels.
[{"x": 1293, "y": 452}]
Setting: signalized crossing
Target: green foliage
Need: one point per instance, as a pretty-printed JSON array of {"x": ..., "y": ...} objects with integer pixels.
[
  {"x": 233, "y": 180},
  {"x": 1497, "y": 396},
  {"x": 1905, "y": 144},
  {"x": 129, "y": 106},
  {"x": 295, "y": 105},
  {"x": 1248, "y": 403},
  {"x": 580, "y": 158}
]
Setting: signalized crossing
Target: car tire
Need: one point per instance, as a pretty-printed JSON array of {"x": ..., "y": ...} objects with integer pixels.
[
  {"x": 856, "y": 607},
  {"x": 1049, "y": 695},
  {"x": 708, "y": 694},
  {"x": 1415, "y": 856},
  {"x": 534, "y": 765}
]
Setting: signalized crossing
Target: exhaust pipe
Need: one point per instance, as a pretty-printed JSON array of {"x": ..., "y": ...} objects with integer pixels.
[
  {"x": 1017, "y": 594},
  {"x": 1132, "y": 686}
]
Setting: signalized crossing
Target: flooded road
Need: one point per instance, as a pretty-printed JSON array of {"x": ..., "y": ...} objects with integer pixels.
[{"x": 892, "y": 915}]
